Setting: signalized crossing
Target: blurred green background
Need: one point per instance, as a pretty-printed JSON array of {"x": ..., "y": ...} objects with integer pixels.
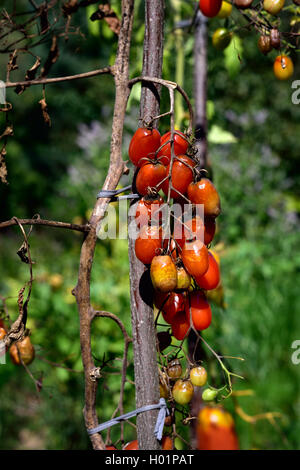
[{"x": 56, "y": 172}]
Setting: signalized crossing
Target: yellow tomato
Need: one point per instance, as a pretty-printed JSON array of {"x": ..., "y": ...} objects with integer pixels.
[{"x": 225, "y": 11}]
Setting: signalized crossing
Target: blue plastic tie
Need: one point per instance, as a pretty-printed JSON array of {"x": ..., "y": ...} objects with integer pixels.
[{"x": 163, "y": 412}]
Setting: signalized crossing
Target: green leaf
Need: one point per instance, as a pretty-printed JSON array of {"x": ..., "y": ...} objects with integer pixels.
[
  {"x": 217, "y": 135},
  {"x": 233, "y": 56}
]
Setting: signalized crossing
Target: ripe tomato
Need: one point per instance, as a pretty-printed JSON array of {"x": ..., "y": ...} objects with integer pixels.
[
  {"x": 163, "y": 273},
  {"x": 183, "y": 391},
  {"x": 150, "y": 175},
  {"x": 204, "y": 192},
  {"x": 169, "y": 304},
  {"x": 25, "y": 349},
  {"x": 143, "y": 144},
  {"x": 210, "y": 8},
  {"x": 283, "y": 67},
  {"x": 148, "y": 243},
  {"x": 148, "y": 210},
  {"x": 180, "y": 325},
  {"x": 215, "y": 430},
  {"x": 273, "y": 6},
  {"x": 180, "y": 146},
  {"x": 174, "y": 369},
  {"x": 209, "y": 229},
  {"x": 132, "y": 445},
  {"x": 181, "y": 176},
  {"x": 195, "y": 257},
  {"x": 211, "y": 279},
  {"x": 111, "y": 447},
  {"x": 200, "y": 310},
  {"x": 189, "y": 230},
  {"x": 198, "y": 376},
  {"x": 221, "y": 38},
  {"x": 226, "y": 9}
]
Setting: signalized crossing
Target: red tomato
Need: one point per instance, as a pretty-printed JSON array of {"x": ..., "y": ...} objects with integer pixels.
[
  {"x": 210, "y": 8},
  {"x": 150, "y": 175},
  {"x": 170, "y": 304},
  {"x": 148, "y": 210},
  {"x": 211, "y": 279},
  {"x": 204, "y": 192},
  {"x": 209, "y": 229},
  {"x": 215, "y": 430},
  {"x": 195, "y": 257},
  {"x": 180, "y": 325},
  {"x": 143, "y": 144},
  {"x": 132, "y": 445},
  {"x": 148, "y": 243},
  {"x": 180, "y": 146},
  {"x": 111, "y": 447},
  {"x": 200, "y": 310},
  {"x": 182, "y": 176}
]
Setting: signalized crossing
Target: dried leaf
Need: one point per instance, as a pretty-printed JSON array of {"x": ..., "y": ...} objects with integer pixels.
[
  {"x": 3, "y": 170},
  {"x": 31, "y": 73},
  {"x": 22, "y": 252},
  {"x": 44, "y": 107},
  {"x": 105, "y": 13},
  {"x": 8, "y": 132}
]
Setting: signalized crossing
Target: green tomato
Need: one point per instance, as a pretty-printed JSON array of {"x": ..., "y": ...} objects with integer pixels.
[
  {"x": 221, "y": 38},
  {"x": 209, "y": 394},
  {"x": 273, "y": 6}
]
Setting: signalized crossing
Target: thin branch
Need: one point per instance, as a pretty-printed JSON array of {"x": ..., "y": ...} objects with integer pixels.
[
  {"x": 47, "y": 81},
  {"x": 48, "y": 223}
]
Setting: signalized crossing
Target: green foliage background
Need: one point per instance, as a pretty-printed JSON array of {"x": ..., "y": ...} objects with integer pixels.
[{"x": 57, "y": 171}]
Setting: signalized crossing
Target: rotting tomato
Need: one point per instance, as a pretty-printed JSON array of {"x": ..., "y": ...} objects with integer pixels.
[
  {"x": 143, "y": 144},
  {"x": 283, "y": 67},
  {"x": 264, "y": 44},
  {"x": 180, "y": 146},
  {"x": 183, "y": 278},
  {"x": 148, "y": 243},
  {"x": 200, "y": 310},
  {"x": 204, "y": 192},
  {"x": 211, "y": 279},
  {"x": 174, "y": 369},
  {"x": 243, "y": 4},
  {"x": 210, "y": 8},
  {"x": 148, "y": 210},
  {"x": 195, "y": 257},
  {"x": 183, "y": 391},
  {"x": 25, "y": 349},
  {"x": 181, "y": 176},
  {"x": 150, "y": 175},
  {"x": 163, "y": 273}
]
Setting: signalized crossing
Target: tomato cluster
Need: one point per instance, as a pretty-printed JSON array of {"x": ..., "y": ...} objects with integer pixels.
[{"x": 182, "y": 268}]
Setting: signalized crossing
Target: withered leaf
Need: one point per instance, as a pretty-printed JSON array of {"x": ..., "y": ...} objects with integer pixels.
[
  {"x": 22, "y": 253},
  {"x": 105, "y": 13},
  {"x": 44, "y": 107},
  {"x": 8, "y": 131},
  {"x": 3, "y": 169}
]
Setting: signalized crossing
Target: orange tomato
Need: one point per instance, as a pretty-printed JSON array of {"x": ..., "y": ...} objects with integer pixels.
[
  {"x": 148, "y": 243},
  {"x": 215, "y": 430},
  {"x": 163, "y": 273},
  {"x": 204, "y": 192},
  {"x": 283, "y": 67},
  {"x": 195, "y": 257}
]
